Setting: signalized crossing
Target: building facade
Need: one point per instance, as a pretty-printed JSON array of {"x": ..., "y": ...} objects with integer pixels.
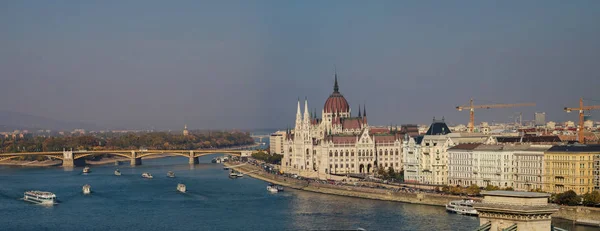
[
  {"x": 338, "y": 143},
  {"x": 276, "y": 141},
  {"x": 570, "y": 167},
  {"x": 460, "y": 165},
  {"x": 529, "y": 167}
]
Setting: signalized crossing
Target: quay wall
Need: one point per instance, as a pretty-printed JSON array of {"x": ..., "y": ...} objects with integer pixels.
[
  {"x": 577, "y": 214},
  {"x": 350, "y": 191}
]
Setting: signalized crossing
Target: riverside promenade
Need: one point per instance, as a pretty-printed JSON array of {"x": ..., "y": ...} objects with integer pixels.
[{"x": 361, "y": 190}]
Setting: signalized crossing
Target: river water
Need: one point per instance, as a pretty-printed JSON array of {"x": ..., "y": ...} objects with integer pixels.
[{"x": 213, "y": 202}]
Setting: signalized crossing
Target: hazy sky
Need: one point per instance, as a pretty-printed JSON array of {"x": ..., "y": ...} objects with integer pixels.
[{"x": 243, "y": 64}]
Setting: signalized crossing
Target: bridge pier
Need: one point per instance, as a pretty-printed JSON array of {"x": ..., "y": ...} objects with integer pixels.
[
  {"x": 67, "y": 160},
  {"x": 135, "y": 160},
  {"x": 193, "y": 160}
]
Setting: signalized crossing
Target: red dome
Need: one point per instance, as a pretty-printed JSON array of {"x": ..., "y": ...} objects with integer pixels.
[{"x": 336, "y": 103}]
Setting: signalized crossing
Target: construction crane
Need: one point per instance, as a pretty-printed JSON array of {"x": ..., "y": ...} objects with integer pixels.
[
  {"x": 472, "y": 107},
  {"x": 581, "y": 110}
]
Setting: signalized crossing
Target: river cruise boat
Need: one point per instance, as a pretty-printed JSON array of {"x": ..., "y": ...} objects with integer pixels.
[
  {"x": 87, "y": 189},
  {"x": 463, "y": 207},
  {"x": 117, "y": 172},
  {"x": 170, "y": 174},
  {"x": 147, "y": 175},
  {"x": 181, "y": 188},
  {"x": 86, "y": 170},
  {"x": 39, "y": 197}
]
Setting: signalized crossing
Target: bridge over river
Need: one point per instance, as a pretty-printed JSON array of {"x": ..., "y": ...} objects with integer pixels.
[{"x": 69, "y": 158}]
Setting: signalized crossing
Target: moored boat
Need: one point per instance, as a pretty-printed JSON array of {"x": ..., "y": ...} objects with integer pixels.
[
  {"x": 272, "y": 189},
  {"x": 86, "y": 169},
  {"x": 87, "y": 189},
  {"x": 117, "y": 172},
  {"x": 170, "y": 174},
  {"x": 463, "y": 207},
  {"x": 147, "y": 175},
  {"x": 40, "y": 197},
  {"x": 181, "y": 188}
]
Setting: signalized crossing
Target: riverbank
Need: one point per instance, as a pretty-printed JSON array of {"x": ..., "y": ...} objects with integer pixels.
[
  {"x": 29, "y": 163},
  {"x": 344, "y": 190},
  {"x": 577, "y": 214}
]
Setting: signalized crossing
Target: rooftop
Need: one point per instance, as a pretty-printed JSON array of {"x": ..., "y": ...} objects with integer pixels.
[
  {"x": 575, "y": 148},
  {"x": 464, "y": 147},
  {"x": 515, "y": 194}
]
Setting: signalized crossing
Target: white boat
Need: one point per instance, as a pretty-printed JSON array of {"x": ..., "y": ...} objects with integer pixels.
[
  {"x": 181, "y": 188},
  {"x": 40, "y": 197},
  {"x": 147, "y": 175},
  {"x": 272, "y": 189},
  {"x": 233, "y": 175},
  {"x": 463, "y": 207},
  {"x": 87, "y": 189},
  {"x": 117, "y": 172},
  {"x": 86, "y": 169},
  {"x": 170, "y": 174}
]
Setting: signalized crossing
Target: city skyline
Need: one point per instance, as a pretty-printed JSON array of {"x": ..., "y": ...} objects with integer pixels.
[{"x": 159, "y": 65}]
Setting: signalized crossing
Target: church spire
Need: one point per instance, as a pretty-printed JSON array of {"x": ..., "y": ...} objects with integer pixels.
[{"x": 365, "y": 110}]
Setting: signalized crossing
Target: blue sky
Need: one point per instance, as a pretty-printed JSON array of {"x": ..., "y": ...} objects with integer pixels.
[{"x": 243, "y": 64}]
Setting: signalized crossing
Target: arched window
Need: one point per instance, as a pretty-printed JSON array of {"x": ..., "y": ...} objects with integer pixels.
[
  {"x": 330, "y": 154},
  {"x": 386, "y": 152},
  {"x": 336, "y": 153},
  {"x": 396, "y": 152},
  {"x": 371, "y": 152},
  {"x": 307, "y": 151},
  {"x": 347, "y": 153},
  {"x": 352, "y": 153}
]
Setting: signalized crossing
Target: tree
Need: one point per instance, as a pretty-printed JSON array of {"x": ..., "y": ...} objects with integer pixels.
[
  {"x": 509, "y": 189},
  {"x": 567, "y": 198},
  {"x": 490, "y": 187},
  {"x": 473, "y": 190},
  {"x": 591, "y": 199},
  {"x": 381, "y": 173}
]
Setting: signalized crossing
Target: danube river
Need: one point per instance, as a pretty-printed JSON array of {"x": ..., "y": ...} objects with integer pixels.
[{"x": 213, "y": 202}]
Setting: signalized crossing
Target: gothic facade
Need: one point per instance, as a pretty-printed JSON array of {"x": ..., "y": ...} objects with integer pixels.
[{"x": 338, "y": 143}]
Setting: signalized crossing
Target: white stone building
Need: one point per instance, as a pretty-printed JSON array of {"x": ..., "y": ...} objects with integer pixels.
[
  {"x": 426, "y": 157},
  {"x": 337, "y": 143},
  {"x": 460, "y": 165},
  {"x": 276, "y": 141},
  {"x": 528, "y": 163}
]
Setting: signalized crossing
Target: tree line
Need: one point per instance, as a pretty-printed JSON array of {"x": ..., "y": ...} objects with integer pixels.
[{"x": 110, "y": 141}]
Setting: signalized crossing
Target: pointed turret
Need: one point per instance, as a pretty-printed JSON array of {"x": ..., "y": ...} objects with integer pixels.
[
  {"x": 298, "y": 118},
  {"x": 359, "y": 115},
  {"x": 306, "y": 112},
  {"x": 364, "y": 114}
]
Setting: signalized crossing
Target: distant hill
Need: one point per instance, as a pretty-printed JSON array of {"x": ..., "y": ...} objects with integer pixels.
[{"x": 10, "y": 121}]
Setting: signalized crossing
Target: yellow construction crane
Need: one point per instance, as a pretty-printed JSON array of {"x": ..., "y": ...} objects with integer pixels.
[
  {"x": 472, "y": 107},
  {"x": 581, "y": 109}
]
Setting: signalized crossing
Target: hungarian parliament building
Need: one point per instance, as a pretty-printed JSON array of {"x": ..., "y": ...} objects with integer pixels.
[{"x": 337, "y": 142}]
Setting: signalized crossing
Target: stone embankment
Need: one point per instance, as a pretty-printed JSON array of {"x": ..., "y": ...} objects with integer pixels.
[
  {"x": 578, "y": 214},
  {"x": 343, "y": 190}
]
